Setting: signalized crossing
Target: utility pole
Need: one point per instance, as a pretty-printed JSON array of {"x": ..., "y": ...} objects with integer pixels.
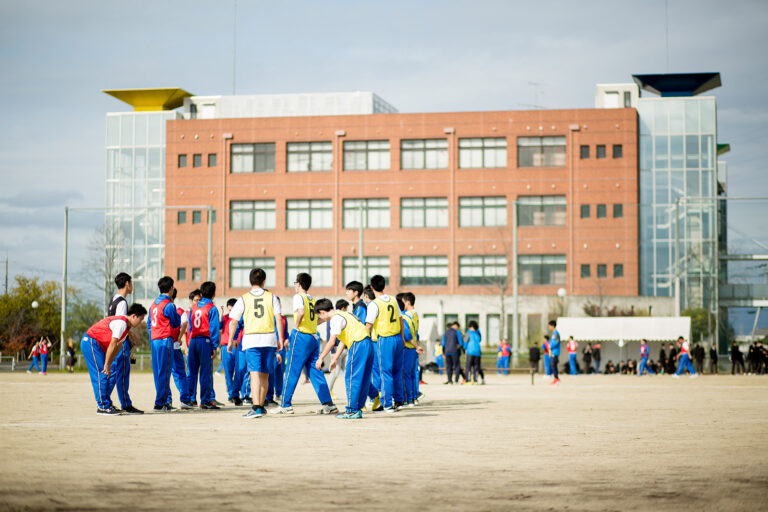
[
  {"x": 64, "y": 289},
  {"x": 360, "y": 246},
  {"x": 6, "y": 274}
]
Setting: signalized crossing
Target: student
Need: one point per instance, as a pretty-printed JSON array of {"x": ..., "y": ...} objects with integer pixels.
[
  {"x": 204, "y": 340},
  {"x": 375, "y": 390},
  {"x": 502, "y": 361},
  {"x": 120, "y": 372},
  {"x": 554, "y": 350},
  {"x": 71, "y": 356},
  {"x": 163, "y": 318},
  {"x": 439, "y": 358},
  {"x": 547, "y": 356},
  {"x": 383, "y": 316},
  {"x": 354, "y": 293},
  {"x": 474, "y": 351},
  {"x": 354, "y": 337},
  {"x": 100, "y": 346},
  {"x": 241, "y": 380},
  {"x": 35, "y": 356},
  {"x": 259, "y": 310},
  {"x": 684, "y": 359},
  {"x": 451, "y": 342},
  {"x": 45, "y": 347},
  {"x": 409, "y": 300},
  {"x": 411, "y": 353},
  {"x": 341, "y": 305},
  {"x": 303, "y": 349},
  {"x": 180, "y": 361},
  {"x": 228, "y": 359},
  {"x": 596, "y": 356},
  {"x": 276, "y": 378},
  {"x": 573, "y": 350},
  {"x": 645, "y": 352}
]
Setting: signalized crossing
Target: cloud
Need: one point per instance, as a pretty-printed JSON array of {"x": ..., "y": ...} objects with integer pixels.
[{"x": 47, "y": 198}]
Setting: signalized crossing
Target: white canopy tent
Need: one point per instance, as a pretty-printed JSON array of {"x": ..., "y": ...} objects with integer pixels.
[{"x": 626, "y": 328}]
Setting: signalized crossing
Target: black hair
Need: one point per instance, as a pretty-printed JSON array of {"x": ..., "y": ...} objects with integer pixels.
[
  {"x": 356, "y": 286},
  {"x": 680, "y": 338},
  {"x": 165, "y": 284},
  {"x": 231, "y": 302},
  {"x": 257, "y": 277},
  {"x": 400, "y": 303},
  {"x": 553, "y": 323},
  {"x": 174, "y": 293},
  {"x": 304, "y": 280},
  {"x": 409, "y": 298},
  {"x": 448, "y": 325},
  {"x": 368, "y": 292},
  {"x": 208, "y": 289},
  {"x": 378, "y": 283},
  {"x": 323, "y": 305},
  {"x": 456, "y": 323},
  {"x": 121, "y": 280},
  {"x": 645, "y": 340},
  {"x": 341, "y": 304},
  {"x": 546, "y": 337},
  {"x": 473, "y": 325},
  {"x": 194, "y": 292},
  {"x": 136, "y": 309}
]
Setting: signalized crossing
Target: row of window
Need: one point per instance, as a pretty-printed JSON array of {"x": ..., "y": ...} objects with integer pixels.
[
  {"x": 197, "y": 275},
  {"x": 602, "y": 270},
  {"x": 197, "y": 160},
  {"x": 414, "y": 270},
  {"x": 600, "y": 151},
  {"x": 197, "y": 216},
  {"x": 602, "y": 211}
]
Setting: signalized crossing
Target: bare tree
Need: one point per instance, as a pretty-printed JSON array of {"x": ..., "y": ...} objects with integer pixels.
[{"x": 101, "y": 265}]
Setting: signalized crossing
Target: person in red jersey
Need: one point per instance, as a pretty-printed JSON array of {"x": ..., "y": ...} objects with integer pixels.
[{"x": 163, "y": 320}]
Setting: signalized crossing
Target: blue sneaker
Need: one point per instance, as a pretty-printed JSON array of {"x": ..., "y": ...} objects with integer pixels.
[
  {"x": 350, "y": 415},
  {"x": 255, "y": 413}
]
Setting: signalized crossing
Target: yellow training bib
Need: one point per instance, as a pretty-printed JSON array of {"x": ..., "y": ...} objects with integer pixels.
[
  {"x": 308, "y": 323},
  {"x": 354, "y": 331},
  {"x": 259, "y": 316},
  {"x": 409, "y": 322},
  {"x": 388, "y": 320}
]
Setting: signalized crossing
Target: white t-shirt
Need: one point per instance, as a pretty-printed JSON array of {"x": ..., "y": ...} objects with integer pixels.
[
  {"x": 122, "y": 306},
  {"x": 298, "y": 302},
  {"x": 338, "y": 323},
  {"x": 373, "y": 309},
  {"x": 258, "y": 339},
  {"x": 117, "y": 327}
]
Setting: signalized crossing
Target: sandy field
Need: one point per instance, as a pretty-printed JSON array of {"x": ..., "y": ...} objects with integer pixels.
[{"x": 592, "y": 443}]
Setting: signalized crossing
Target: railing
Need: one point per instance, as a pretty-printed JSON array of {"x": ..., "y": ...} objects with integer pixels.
[{"x": 743, "y": 291}]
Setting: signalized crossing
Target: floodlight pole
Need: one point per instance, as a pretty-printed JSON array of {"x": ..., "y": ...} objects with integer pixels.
[
  {"x": 360, "y": 246},
  {"x": 210, "y": 243},
  {"x": 64, "y": 290},
  {"x": 515, "y": 320}
]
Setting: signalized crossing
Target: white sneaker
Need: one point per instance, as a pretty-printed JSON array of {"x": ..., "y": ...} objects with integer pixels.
[
  {"x": 285, "y": 410},
  {"x": 389, "y": 410},
  {"x": 693, "y": 376},
  {"x": 328, "y": 409},
  {"x": 675, "y": 376}
]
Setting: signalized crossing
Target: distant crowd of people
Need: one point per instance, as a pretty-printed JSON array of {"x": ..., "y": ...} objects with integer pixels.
[{"x": 756, "y": 360}]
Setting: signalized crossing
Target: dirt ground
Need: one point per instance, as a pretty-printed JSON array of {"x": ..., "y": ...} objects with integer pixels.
[{"x": 592, "y": 443}]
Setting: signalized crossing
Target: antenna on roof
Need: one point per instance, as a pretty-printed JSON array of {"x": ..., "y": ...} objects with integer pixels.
[{"x": 535, "y": 104}]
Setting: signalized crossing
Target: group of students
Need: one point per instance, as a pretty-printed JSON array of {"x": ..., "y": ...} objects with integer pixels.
[
  {"x": 39, "y": 356},
  {"x": 260, "y": 359}
]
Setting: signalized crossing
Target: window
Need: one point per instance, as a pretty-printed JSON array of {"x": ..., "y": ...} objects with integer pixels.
[
  {"x": 182, "y": 160},
  {"x": 181, "y": 217},
  {"x": 424, "y": 154},
  {"x": 482, "y": 211},
  {"x": 372, "y": 265},
  {"x": 197, "y": 160},
  {"x": 309, "y": 214},
  {"x": 424, "y": 212},
  {"x": 320, "y": 269},
  {"x": 541, "y": 211},
  {"x": 600, "y": 151},
  {"x": 542, "y": 269},
  {"x": 585, "y": 271},
  {"x": 482, "y": 270},
  {"x": 211, "y": 159},
  {"x": 253, "y": 157},
  {"x": 366, "y": 155},
  {"x": 601, "y": 211},
  {"x": 212, "y": 277},
  {"x": 618, "y": 270},
  {"x": 584, "y": 152},
  {"x": 197, "y": 217},
  {"x": 240, "y": 271},
  {"x": 245, "y": 215},
  {"x": 541, "y": 151},
  {"x": 627, "y": 99},
  {"x": 181, "y": 274},
  {"x": 489, "y": 152},
  {"x": 309, "y": 156},
  {"x": 213, "y": 216},
  {"x": 585, "y": 211},
  {"x": 196, "y": 274},
  {"x": 618, "y": 211},
  {"x": 423, "y": 270},
  {"x": 618, "y": 152},
  {"x": 492, "y": 328},
  {"x": 602, "y": 270},
  {"x": 375, "y": 213}
]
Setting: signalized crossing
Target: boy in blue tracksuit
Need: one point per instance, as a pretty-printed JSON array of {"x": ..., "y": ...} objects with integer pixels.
[
  {"x": 474, "y": 352},
  {"x": 410, "y": 355},
  {"x": 241, "y": 380},
  {"x": 161, "y": 322},
  {"x": 382, "y": 317},
  {"x": 275, "y": 386},
  {"x": 554, "y": 350},
  {"x": 645, "y": 352},
  {"x": 204, "y": 340},
  {"x": 545, "y": 351},
  {"x": 356, "y": 296},
  {"x": 409, "y": 299}
]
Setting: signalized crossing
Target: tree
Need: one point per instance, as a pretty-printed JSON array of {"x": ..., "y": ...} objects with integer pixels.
[
  {"x": 100, "y": 267},
  {"x": 699, "y": 322},
  {"x": 81, "y": 314},
  {"x": 20, "y": 324}
]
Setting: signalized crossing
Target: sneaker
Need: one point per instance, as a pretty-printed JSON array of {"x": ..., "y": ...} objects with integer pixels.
[
  {"x": 389, "y": 410},
  {"x": 112, "y": 411},
  {"x": 255, "y": 412},
  {"x": 399, "y": 405},
  {"x": 237, "y": 402},
  {"x": 675, "y": 376},
  {"x": 350, "y": 415},
  {"x": 132, "y": 410},
  {"x": 45, "y": 373},
  {"x": 482, "y": 382},
  {"x": 421, "y": 395},
  {"x": 411, "y": 404},
  {"x": 447, "y": 382},
  {"x": 306, "y": 381},
  {"x": 210, "y": 406},
  {"x": 187, "y": 405},
  {"x": 216, "y": 402},
  {"x": 159, "y": 408},
  {"x": 29, "y": 371},
  {"x": 231, "y": 400},
  {"x": 693, "y": 376},
  {"x": 421, "y": 382},
  {"x": 271, "y": 403},
  {"x": 378, "y": 409},
  {"x": 169, "y": 407},
  {"x": 328, "y": 409},
  {"x": 194, "y": 403},
  {"x": 554, "y": 382},
  {"x": 248, "y": 400},
  {"x": 376, "y": 405},
  {"x": 285, "y": 410}
]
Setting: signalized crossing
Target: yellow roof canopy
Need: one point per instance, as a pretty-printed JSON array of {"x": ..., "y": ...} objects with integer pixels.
[{"x": 143, "y": 100}]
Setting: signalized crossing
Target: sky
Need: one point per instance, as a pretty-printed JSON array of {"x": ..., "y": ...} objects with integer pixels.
[{"x": 421, "y": 56}]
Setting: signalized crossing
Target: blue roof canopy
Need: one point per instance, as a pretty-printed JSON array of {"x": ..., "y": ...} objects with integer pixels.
[{"x": 678, "y": 84}]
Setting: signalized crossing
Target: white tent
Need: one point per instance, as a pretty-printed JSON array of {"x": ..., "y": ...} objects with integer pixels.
[{"x": 625, "y": 328}]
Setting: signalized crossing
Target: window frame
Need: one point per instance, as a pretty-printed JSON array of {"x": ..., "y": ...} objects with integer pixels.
[
  {"x": 181, "y": 161},
  {"x": 261, "y": 149},
  {"x": 602, "y": 271},
  {"x": 439, "y": 152},
  {"x": 468, "y": 146},
  {"x": 548, "y": 207},
  {"x": 583, "y": 152},
  {"x": 584, "y": 211},
  {"x": 349, "y": 148},
  {"x": 485, "y": 264},
  {"x": 197, "y": 216},
  {"x": 438, "y": 262},
  {"x": 618, "y": 211},
  {"x": 618, "y": 270},
  {"x": 557, "y": 152},
  {"x": 263, "y": 263},
  {"x": 440, "y": 212},
  {"x": 236, "y": 209},
  {"x": 586, "y": 270},
  {"x": 313, "y": 210},
  {"x": 315, "y": 151},
  {"x": 181, "y": 217},
  {"x": 314, "y": 266},
  {"x": 618, "y": 151},
  {"x": 485, "y": 210},
  {"x": 370, "y": 208},
  {"x": 600, "y": 152},
  {"x": 197, "y": 160},
  {"x": 212, "y": 159},
  {"x": 601, "y": 211}
]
